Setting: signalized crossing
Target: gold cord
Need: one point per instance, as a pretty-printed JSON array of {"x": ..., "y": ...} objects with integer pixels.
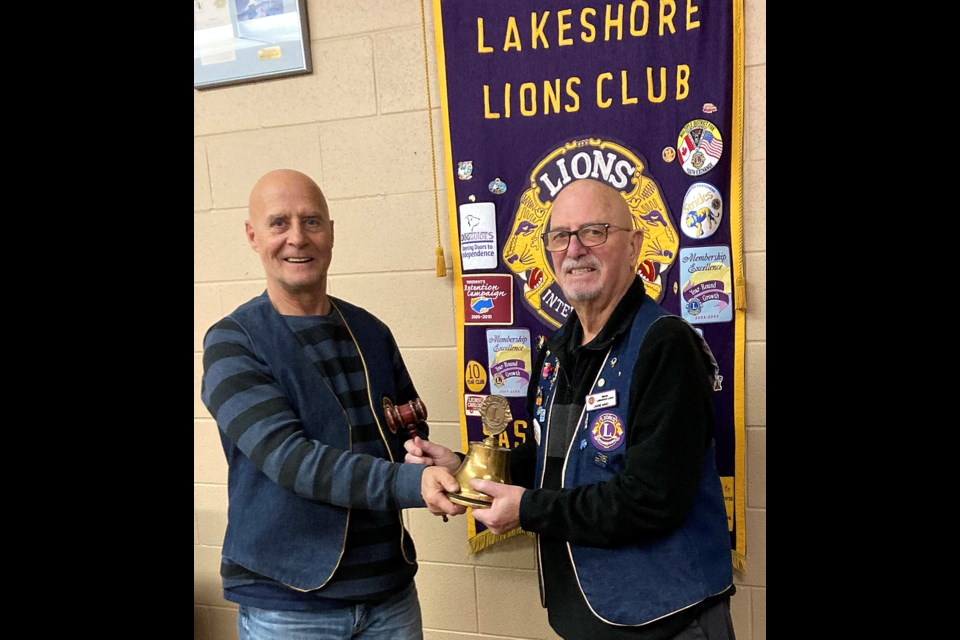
[{"x": 441, "y": 261}]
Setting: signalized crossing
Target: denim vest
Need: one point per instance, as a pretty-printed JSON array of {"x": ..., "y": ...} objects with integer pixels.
[
  {"x": 272, "y": 531},
  {"x": 635, "y": 584}
]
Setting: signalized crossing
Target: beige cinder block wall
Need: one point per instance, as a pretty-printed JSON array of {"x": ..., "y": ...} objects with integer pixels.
[{"x": 359, "y": 125}]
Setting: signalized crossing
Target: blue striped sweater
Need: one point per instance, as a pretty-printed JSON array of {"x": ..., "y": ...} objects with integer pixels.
[{"x": 272, "y": 435}]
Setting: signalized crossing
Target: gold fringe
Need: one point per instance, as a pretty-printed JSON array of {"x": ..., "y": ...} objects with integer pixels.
[
  {"x": 740, "y": 293},
  {"x": 739, "y": 562},
  {"x": 441, "y": 263},
  {"x": 487, "y": 538}
]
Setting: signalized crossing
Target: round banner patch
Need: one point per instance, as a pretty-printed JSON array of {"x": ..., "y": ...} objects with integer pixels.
[
  {"x": 699, "y": 147},
  {"x": 607, "y": 431},
  {"x": 702, "y": 211},
  {"x": 475, "y": 376}
]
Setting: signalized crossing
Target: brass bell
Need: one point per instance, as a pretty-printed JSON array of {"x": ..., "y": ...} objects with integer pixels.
[{"x": 484, "y": 460}]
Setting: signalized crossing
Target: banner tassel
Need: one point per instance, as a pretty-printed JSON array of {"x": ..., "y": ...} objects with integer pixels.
[
  {"x": 441, "y": 263},
  {"x": 739, "y": 562},
  {"x": 740, "y": 293}
]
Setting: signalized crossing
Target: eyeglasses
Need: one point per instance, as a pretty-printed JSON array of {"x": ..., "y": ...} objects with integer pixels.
[{"x": 589, "y": 235}]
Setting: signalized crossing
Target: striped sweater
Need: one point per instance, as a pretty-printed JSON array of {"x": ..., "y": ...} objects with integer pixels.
[{"x": 258, "y": 424}]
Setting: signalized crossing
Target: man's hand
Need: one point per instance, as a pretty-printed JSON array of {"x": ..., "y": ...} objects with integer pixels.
[
  {"x": 504, "y": 513},
  {"x": 420, "y": 451},
  {"x": 435, "y": 480}
]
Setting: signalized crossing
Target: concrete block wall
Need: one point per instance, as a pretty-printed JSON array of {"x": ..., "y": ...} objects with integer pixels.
[{"x": 359, "y": 125}]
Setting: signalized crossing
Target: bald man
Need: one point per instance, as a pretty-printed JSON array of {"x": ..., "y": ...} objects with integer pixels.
[
  {"x": 619, "y": 480},
  {"x": 315, "y": 545}
]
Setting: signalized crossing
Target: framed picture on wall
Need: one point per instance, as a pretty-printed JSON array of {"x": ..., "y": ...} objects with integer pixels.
[{"x": 237, "y": 41}]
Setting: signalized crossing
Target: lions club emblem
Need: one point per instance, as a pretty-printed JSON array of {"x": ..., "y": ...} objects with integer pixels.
[
  {"x": 593, "y": 159},
  {"x": 607, "y": 433}
]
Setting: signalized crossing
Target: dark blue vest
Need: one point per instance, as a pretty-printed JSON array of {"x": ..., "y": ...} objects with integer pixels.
[
  {"x": 638, "y": 583},
  {"x": 270, "y": 530}
]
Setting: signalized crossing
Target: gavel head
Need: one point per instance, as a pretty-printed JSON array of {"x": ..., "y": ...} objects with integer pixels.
[{"x": 407, "y": 415}]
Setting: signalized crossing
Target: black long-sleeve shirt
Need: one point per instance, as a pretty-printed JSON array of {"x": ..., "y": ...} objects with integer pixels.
[{"x": 670, "y": 424}]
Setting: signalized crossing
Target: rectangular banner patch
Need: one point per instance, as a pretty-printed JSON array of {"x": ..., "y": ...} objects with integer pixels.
[{"x": 488, "y": 299}]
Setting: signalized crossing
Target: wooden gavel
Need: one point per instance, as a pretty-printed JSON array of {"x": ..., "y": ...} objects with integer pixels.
[{"x": 407, "y": 415}]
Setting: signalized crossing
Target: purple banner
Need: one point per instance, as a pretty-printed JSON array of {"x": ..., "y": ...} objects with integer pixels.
[{"x": 641, "y": 95}]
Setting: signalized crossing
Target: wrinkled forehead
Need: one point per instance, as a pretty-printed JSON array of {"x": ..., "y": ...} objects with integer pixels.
[
  {"x": 288, "y": 198},
  {"x": 588, "y": 201}
]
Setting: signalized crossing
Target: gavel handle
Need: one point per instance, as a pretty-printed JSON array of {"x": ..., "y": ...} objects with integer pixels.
[{"x": 412, "y": 428}]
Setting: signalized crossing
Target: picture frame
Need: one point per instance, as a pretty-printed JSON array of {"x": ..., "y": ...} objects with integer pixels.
[{"x": 238, "y": 41}]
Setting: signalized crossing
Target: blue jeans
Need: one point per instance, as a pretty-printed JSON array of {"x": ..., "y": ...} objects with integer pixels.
[{"x": 397, "y": 617}]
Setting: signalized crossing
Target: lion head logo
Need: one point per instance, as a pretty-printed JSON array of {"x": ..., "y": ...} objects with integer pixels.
[{"x": 587, "y": 159}]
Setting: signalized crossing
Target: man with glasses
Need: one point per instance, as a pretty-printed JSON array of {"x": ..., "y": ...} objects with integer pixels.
[
  {"x": 315, "y": 547},
  {"x": 623, "y": 490}
]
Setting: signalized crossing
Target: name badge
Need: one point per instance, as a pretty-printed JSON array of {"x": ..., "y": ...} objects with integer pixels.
[{"x": 601, "y": 400}]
